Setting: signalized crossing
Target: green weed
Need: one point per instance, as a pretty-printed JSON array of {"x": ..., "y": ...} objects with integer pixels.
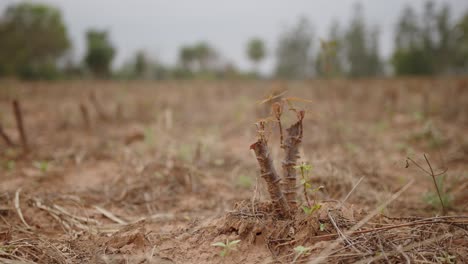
[
  {"x": 149, "y": 137},
  {"x": 322, "y": 227},
  {"x": 447, "y": 258},
  {"x": 244, "y": 181},
  {"x": 10, "y": 165},
  {"x": 305, "y": 168},
  {"x": 300, "y": 251},
  {"x": 43, "y": 166},
  {"x": 310, "y": 210},
  {"x": 186, "y": 152},
  {"x": 432, "y": 198},
  {"x": 429, "y": 134}
]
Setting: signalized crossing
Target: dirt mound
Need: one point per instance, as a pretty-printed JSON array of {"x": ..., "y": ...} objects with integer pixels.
[{"x": 329, "y": 234}]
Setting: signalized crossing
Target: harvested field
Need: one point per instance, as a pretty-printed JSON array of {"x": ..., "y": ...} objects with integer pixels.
[{"x": 158, "y": 172}]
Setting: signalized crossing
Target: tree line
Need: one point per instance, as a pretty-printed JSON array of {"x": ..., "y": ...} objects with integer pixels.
[{"x": 35, "y": 45}]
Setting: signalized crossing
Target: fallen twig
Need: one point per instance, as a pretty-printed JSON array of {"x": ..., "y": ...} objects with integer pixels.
[
  {"x": 407, "y": 248},
  {"x": 327, "y": 251},
  {"x": 5, "y": 137},
  {"x": 425, "y": 221},
  {"x": 18, "y": 208},
  {"x": 110, "y": 215},
  {"x": 343, "y": 236},
  {"x": 350, "y": 192}
]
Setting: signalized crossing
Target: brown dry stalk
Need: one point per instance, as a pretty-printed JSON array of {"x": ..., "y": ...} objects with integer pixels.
[
  {"x": 444, "y": 210},
  {"x": 271, "y": 177},
  {"x": 5, "y": 137},
  {"x": 119, "y": 111},
  {"x": 85, "y": 115},
  {"x": 19, "y": 124},
  {"x": 277, "y": 109},
  {"x": 304, "y": 188},
  {"x": 291, "y": 149},
  {"x": 433, "y": 176},
  {"x": 99, "y": 110}
]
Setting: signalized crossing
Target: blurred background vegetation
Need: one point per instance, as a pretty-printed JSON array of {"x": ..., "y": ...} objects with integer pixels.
[{"x": 34, "y": 44}]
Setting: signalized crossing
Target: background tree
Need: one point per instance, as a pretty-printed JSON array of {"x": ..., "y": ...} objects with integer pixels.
[
  {"x": 428, "y": 29},
  {"x": 141, "y": 64},
  {"x": 410, "y": 56},
  {"x": 408, "y": 32},
  {"x": 460, "y": 61},
  {"x": 428, "y": 45},
  {"x": 445, "y": 48},
  {"x": 33, "y": 37},
  {"x": 187, "y": 57},
  {"x": 100, "y": 53},
  {"x": 361, "y": 47},
  {"x": 374, "y": 62},
  {"x": 206, "y": 56},
  {"x": 329, "y": 61},
  {"x": 199, "y": 60},
  {"x": 294, "y": 52},
  {"x": 255, "y": 52}
]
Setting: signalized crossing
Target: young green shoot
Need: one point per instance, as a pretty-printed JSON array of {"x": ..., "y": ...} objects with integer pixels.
[
  {"x": 43, "y": 166},
  {"x": 244, "y": 181},
  {"x": 322, "y": 227},
  {"x": 226, "y": 247},
  {"x": 432, "y": 198},
  {"x": 11, "y": 165},
  {"x": 310, "y": 210},
  {"x": 149, "y": 137},
  {"x": 300, "y": 251},
  {"x": 305, "y": 168}
]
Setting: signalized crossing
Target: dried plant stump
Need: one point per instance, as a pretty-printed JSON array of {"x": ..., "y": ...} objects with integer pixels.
[
  {"x": 291, "y": 148},
  {"x": 271, "y": 177}
]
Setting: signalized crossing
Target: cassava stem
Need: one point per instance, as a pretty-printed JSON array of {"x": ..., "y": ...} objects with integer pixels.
[
  {"x": 304, "y": 188},
  {"x": 291, "y": 149},
  {"x": 271, "y": 177}
]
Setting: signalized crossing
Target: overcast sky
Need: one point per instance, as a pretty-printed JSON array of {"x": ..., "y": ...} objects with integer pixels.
[{"x": 160, "y": 27}]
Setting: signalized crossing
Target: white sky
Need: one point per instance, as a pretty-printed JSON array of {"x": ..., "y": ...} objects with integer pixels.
[{"x": 160, "y": 27}]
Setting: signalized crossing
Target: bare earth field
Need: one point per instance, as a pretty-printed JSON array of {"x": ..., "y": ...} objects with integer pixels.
[{"x": 157, "y": 172}]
